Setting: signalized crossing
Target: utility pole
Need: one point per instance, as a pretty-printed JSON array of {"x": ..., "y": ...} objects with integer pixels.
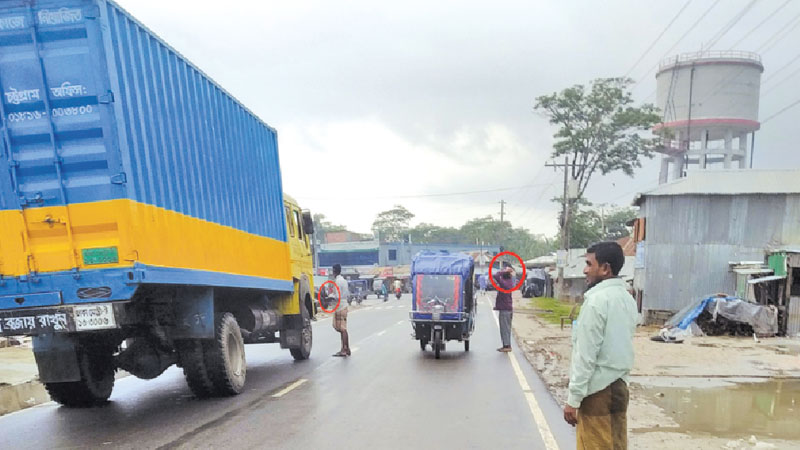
[
  {"x": 502, "y": 211},
  {"x": 565, "y": 244}
]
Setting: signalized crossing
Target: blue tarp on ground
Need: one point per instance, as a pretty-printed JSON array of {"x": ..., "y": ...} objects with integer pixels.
[{"x": 763, "y": 319}]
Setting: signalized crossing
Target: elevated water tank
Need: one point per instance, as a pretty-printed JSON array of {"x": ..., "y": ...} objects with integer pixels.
[{"x": 709, "y": 106}]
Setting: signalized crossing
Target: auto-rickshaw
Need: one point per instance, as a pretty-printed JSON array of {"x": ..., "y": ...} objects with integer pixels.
[
  {"x": 443, "y": 302},
  {"x": 358, "y": 291}
]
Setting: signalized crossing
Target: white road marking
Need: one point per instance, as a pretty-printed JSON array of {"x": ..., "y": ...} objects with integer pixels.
[
  {"x": 533, "y": 405},
  {"x": 289, "y": 388},
  {"x": 401, "y": 322},
  {"x": 354, "y": 349},
  {"x": 382, "y": 333}
]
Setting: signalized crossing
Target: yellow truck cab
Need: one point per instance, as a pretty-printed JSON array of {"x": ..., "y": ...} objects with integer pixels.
[{"x": 299, "y": 229}]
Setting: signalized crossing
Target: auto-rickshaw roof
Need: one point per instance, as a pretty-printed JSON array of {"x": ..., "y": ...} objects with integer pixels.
[{"x": 441, "y": 263}]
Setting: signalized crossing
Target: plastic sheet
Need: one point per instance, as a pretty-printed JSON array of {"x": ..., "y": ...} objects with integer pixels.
[{"x": 763, "y": 319}]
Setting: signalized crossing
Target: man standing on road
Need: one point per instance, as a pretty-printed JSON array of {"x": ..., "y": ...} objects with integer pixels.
[
  {"x": 340, "y": 315},
  {"x": 504, "y": 306},
  {"x": 602, "y": 353}
]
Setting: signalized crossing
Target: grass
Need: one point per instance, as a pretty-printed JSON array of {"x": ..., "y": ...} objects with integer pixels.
[{"x": 552, "y": 310}]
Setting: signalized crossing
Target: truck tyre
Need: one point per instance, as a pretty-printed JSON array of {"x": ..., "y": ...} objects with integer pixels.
[
  {"x": 190, "y": 356},
  {"x": 306, "y": 337},
  {"x": 96, "y": 367},
  {"x": 225, "y": 358}
]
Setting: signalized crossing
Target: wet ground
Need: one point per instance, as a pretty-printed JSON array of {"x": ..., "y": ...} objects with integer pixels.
[{"x": 769, "y": 409}]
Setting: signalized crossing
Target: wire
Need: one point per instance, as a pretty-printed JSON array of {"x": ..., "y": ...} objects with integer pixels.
[
  {"x": 772, "y": 14},
  {"x": 724, "y": 30},
  {"x": 447, "y": 194},
  {"x": 660, "y": 35},
  {"x": 691, "y": 28},
  {"x": 783, "y": 110},
  {"x": 785, "y": 79},
  {"x": 772, "y": 75},
  {"x": 769, "y": 43}
]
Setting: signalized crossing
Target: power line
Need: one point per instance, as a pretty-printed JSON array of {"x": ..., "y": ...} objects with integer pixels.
[
  {"x": 769, "y": 43},
  {"x": 691, "y": 28},
  {"x": 660, "y": 35},
  {"x": 783, "y": 80},
  {"x": 445, "y": 194},
  {"x": 731, "y": 23},
  {"x": 772, "y": 75},
  {"x": 783, "y": 110},
  {"x": 770, "y": 16}
]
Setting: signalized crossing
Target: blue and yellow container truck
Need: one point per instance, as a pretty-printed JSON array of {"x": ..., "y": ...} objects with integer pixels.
[{"x": 142, "y": 217}]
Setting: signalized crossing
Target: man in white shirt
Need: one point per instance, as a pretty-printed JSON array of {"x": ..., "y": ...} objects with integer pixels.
[
  {"x": 602, "y": 353},
  {"x": 340, "y": 315}
]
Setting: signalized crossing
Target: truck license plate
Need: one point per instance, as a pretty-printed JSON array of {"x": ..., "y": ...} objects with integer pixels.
[
  {"x": 99, "y": 316},
  {"x": 36, "y": 321}
]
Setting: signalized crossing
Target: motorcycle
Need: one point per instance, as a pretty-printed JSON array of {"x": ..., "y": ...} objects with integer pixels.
[{"x": 398, "y": 293}]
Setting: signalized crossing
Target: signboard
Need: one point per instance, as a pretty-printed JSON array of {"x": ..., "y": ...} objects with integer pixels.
[
  {"x": 561, "y": 258},
  {"x": 640, "y": 250}
]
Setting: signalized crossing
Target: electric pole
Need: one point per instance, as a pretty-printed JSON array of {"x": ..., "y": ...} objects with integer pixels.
[
  {"x": 502, "y": 210},
  {"x": 565, "y": 200}
]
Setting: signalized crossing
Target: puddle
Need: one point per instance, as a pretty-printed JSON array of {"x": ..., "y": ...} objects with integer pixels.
[{"x": 767, "y": 409}]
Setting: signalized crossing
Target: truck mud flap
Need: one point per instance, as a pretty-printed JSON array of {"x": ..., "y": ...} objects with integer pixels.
[
  {"x": 292, "y": 331},
  {"x": 194, "y": 313},
  {"x": 57, "y": 358}
]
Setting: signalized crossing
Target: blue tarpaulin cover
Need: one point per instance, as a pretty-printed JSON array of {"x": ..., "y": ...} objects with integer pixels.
[
  {"x": 763, "y": 319},
  {"x": 442, "y": 263}
]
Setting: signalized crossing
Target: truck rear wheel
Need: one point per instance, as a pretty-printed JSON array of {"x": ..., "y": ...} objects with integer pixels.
[
  {"x": 225, "y": 358},
  {"x": 96, "y": 367},
  {"x": 190, "y": 355}
]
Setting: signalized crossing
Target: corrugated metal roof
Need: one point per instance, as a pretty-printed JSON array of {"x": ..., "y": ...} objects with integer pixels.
[{"x": 729, "y": 182}]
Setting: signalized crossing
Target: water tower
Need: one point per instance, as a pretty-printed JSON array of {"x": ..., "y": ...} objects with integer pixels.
[{"x": 709, "y": 107}]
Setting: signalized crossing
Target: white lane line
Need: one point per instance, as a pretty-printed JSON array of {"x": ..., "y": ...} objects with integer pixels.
[
  {"x": 401, "y": 322},
  {"x": 354, "y": 349},
  {"x": 382, "y": 333},
  {"x": 289, "y": 388},
  {"x": 533, "y": 405}
]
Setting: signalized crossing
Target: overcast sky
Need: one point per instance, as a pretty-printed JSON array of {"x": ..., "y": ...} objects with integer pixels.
[{"x": 378, "y": 103}]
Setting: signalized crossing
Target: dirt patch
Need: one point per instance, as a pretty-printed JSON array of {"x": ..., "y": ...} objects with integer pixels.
[{"x": 698, "y": 363}]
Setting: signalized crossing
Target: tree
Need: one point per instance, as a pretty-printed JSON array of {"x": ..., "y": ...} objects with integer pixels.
[
  {"x": 591, "y": 225},
  {"x": 325, "y": 226},
  {"x": 614, "y": 223},
  {"x": 428, "y": 233},
  {"x": 599, "y": 129},
  {"x": 585, "y": 228},
  {"x": 393, "y": 225}
]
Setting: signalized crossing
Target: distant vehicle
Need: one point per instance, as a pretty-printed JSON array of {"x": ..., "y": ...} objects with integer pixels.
[
  {"x": 534, "y": 284},
  {"x": 358, "y": 291}
]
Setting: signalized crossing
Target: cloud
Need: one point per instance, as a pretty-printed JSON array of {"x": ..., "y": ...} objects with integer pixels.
[{"x": 383, "y": 99}]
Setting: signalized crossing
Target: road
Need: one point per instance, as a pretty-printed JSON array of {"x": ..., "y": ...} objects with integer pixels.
[{"x": 389, "y": 394}]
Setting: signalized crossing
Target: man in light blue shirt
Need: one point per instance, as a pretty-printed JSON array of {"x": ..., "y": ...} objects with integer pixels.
[{"x": 602, "y": 353}]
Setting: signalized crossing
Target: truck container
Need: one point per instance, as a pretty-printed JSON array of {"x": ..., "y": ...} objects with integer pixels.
[{"x": 142, "y": 217}]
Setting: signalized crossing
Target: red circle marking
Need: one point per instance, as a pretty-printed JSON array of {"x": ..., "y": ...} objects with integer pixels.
[
  {"x": 338, "y": 294},
  {"x": 521, "y": 280}
]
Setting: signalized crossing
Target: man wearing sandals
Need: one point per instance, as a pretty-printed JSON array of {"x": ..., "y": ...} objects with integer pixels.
[{"x": 340, "y": 315}]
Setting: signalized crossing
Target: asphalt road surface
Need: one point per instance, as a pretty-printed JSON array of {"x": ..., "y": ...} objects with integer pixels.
[{"x": 388, "y": 394}]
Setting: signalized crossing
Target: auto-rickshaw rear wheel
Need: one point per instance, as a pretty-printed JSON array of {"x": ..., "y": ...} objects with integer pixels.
[
  {"x": 422, "y": 344},
  {"x": 466, "y": 345}
]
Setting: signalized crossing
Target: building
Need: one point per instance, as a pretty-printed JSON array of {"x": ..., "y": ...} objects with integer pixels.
[
  {"x": 691, "y": 230},
  {"x": 575, "y": 281}
]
